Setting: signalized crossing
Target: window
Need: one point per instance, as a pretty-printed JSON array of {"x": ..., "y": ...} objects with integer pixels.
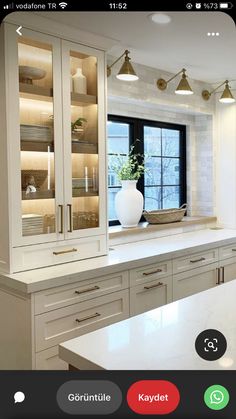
[{"x": 164, "y": 185}]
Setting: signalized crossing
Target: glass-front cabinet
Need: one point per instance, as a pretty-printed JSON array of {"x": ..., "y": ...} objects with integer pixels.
[{"x": 57, "y": 151}]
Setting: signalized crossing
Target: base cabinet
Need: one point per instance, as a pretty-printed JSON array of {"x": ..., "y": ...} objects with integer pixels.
[
  {"x": 150, "y": 295},
  {"x": 49, "y": 360},
  {"x": 228, "y": 270},
  {"x": 195, "y": 280}
]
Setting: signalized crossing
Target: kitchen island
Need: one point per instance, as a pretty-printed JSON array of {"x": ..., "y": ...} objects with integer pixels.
[{"x": 160, "y": 339}]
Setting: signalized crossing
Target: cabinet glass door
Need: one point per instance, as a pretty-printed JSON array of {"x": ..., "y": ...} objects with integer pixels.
[
  {"x": 82, "y": 142},
  {"x": 37, "y": 145}
]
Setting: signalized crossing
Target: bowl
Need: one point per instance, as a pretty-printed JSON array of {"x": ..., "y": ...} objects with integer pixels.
[{"x": 27, "y": 73}]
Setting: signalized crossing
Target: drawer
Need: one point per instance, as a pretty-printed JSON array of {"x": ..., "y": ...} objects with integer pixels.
[
  {"x": 150, "y": 295},
  {"x": 195, "y": 260},
  {"x": 49, "y": 360},
  {"x": 65, "y": 295},
  {"x": 226, "y": 252},
  {"x": 149, "y": 272},
  {"x": 194, "y": 281},
  {"x": 36, "y": 256},
  {"x": 69, "y": 322}
]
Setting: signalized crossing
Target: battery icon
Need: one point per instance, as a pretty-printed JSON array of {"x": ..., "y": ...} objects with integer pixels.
[{"x": 226, "y": 5}]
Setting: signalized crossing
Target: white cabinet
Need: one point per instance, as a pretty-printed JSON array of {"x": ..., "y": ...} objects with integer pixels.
[
  {"x": 52, "y": 151},
  {"x": 195, "y": 280},
  {"x": 150, "y": 295},
  {"x": 195, "y": 260}
]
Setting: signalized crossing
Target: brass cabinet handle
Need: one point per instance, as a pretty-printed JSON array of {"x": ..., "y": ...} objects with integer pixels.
[
  {"x": 153, "y": 272},
  {"x": 88, "y": 317},
  {"x": 218, "y": 276},
  {"x": 61, "y": 218},
  {"x": 69, "y": 206},
  {"x": 197, "y": 260},
  {"x": 223, "y": 274},
  {"x": 62, "y": 252},
  {"x": 159, "y": 284},
  {"x": 233, "y": 250},
  {"x": 96, "y": 287}
]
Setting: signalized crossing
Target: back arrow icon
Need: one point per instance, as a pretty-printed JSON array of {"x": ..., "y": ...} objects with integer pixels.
[{"x": 18, "y": 30}]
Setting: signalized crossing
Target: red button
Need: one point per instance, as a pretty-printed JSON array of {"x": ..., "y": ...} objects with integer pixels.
[{"x": 153, "y": 397}]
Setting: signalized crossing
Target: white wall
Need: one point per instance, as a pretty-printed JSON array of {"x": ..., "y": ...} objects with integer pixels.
[{"x": 142, "y": 99}]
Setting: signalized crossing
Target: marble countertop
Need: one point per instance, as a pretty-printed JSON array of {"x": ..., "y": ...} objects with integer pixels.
[
  {"x": 161, "y": 339},
  {"x": 122, "y": 257}
]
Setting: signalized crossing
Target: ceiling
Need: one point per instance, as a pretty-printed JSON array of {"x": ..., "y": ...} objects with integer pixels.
[{"x": 181, "y": 43}]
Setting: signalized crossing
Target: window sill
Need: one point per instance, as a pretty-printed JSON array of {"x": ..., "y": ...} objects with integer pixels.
[{"x": 120, "y": 235}]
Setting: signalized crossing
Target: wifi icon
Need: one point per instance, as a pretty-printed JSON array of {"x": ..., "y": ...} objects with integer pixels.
[{"x": 62, "y": 5}]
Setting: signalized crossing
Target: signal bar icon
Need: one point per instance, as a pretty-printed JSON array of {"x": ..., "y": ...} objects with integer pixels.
[{"x": 8, "y": 6}]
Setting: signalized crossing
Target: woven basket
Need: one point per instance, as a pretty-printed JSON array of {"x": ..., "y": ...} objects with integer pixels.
[{"x": 171, "y": 215}]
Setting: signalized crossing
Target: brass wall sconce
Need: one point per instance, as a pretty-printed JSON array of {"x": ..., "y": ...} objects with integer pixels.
[
  {"x": 226, "y": 96},
  {"x": 126, "y": 72},
  {"x": 183, "y": 87}
]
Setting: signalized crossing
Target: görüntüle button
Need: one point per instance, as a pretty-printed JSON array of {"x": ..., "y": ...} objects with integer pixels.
[
  {"x": 89, "y": 397},
  {"x": 153, "y": 397}
]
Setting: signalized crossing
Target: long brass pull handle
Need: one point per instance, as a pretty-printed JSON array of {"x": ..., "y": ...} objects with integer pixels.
[
  {"x": 159, "y": 284},
  {"x": 61, "y": 218},
  {"x": 153, "y": 272},
  {"x": 62, "y": 252},
  {"x": 197, "y": 260},
  {"x": 96, "y": 287},
  {"x": 69, "y": 206},
  {"x": 233, "y": 250},
  {"x": 88, "y": 317},
  {"x": 218, "y": 276}
]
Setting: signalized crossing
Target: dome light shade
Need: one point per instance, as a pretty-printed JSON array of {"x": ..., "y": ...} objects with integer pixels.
[
  {"x": 183, "y": 87},
  {"x": 227, "y": 96},
  {"x": 126, "y": 72}
]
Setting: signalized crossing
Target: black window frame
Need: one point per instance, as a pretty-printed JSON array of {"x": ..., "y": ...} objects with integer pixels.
[{"x": 136, "y": 127}]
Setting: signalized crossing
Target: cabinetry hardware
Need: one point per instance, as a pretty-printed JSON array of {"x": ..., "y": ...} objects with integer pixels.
[
  {"x": 96, "y": 287},
  {"x": 61, "y": 218},
  {"x": 218, "y": 276},
  {"x": 198, "y": 260},
  {"x": 69, "y": 206},
  {"x": 233, "y": 250},
  {"x": 153, "y": 272},
  {"x": 223, "y": 275},
  {"x": 65, "y": 251},
  {"x": 88, "y": 317},
  {"x": 148, "y": 287}
]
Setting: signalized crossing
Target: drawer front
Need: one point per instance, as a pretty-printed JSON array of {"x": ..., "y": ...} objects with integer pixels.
[
  {"x": 69, "y": 322},
  {"x": 150, "y": 295},
  {"x": 49, "y": 360},
  {"x": 30, "y": 257},
  {"x": 194, "y": 281},
  {"x": 150, "y": 272},
  {"x": 195, "y": 260},
  {"x": 227, "y": 251},
  {"x": 63, "y": 296}
]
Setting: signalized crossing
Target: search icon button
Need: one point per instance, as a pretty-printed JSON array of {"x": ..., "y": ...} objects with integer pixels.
[{"x": 210, "y": 344}]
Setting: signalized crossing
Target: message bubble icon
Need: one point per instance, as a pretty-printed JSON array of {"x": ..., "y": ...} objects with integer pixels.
[
  {"x": 216, "y": 397},
  {"x": 19, "y": 397}
]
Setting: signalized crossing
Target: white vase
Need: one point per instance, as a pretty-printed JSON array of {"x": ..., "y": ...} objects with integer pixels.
[
  {"x": 79, "y": 82},
  {"x": 129, "y": 204}
]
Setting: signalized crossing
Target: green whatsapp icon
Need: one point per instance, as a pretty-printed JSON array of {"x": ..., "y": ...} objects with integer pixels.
[{"x": 216, "y": 397}]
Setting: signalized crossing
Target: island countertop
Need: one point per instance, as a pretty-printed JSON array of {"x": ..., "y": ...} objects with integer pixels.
[
  {"x": 160, "y": 339},
  {"x": 120, "y": 257}
]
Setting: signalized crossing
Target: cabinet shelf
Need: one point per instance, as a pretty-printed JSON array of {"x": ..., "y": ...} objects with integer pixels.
[
  {"x": 80, "y": 192},
  {"x": 84, "y": 148},
  {"x": 80, "y": 99},
  {"x": 36, "y": 92},
  {"x": 36, "y": 146},
  {"x": 49, "y": 194}
]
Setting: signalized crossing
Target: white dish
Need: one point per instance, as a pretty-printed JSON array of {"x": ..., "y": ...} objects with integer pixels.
[{"x": 27, "y": 73}]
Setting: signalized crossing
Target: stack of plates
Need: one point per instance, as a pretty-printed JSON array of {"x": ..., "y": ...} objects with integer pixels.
[
  {"x": 32, "y": 224},
  {"x": 35, "y": 133}
]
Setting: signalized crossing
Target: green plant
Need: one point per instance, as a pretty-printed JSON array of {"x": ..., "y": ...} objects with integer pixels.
[
  {"x": 78, "y": 123},
  {"x": 129, "y": 167}
]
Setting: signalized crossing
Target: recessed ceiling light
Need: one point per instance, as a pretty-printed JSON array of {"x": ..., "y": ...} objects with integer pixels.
[{"x": 161, "y": 18}]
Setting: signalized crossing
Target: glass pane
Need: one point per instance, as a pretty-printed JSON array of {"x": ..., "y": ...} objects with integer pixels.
[
  {"x": 111, "y": 199},
  {"x": 153, "y": 175},
  {"x": 152, "y": 198},
  {"x": 170, "y": 142},
  {"x": 84, "y": 141},
  {"x": 152, "y": 141},
  {"x": 36, "y": 136},
  {"x": 171, "y": 197},
  {"x": 170, "y": 171}
]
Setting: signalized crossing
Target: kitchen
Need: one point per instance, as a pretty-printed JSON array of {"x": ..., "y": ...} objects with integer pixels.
[{"x": 64, "y": 273}]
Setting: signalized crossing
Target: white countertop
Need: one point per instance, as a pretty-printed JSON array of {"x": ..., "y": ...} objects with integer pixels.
[
  {"x": 160, "y": 339},
  {"x": 122, "y": 257}
]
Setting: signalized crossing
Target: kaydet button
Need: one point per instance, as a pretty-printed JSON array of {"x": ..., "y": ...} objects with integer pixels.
[{"x": 153, "y": 397}]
